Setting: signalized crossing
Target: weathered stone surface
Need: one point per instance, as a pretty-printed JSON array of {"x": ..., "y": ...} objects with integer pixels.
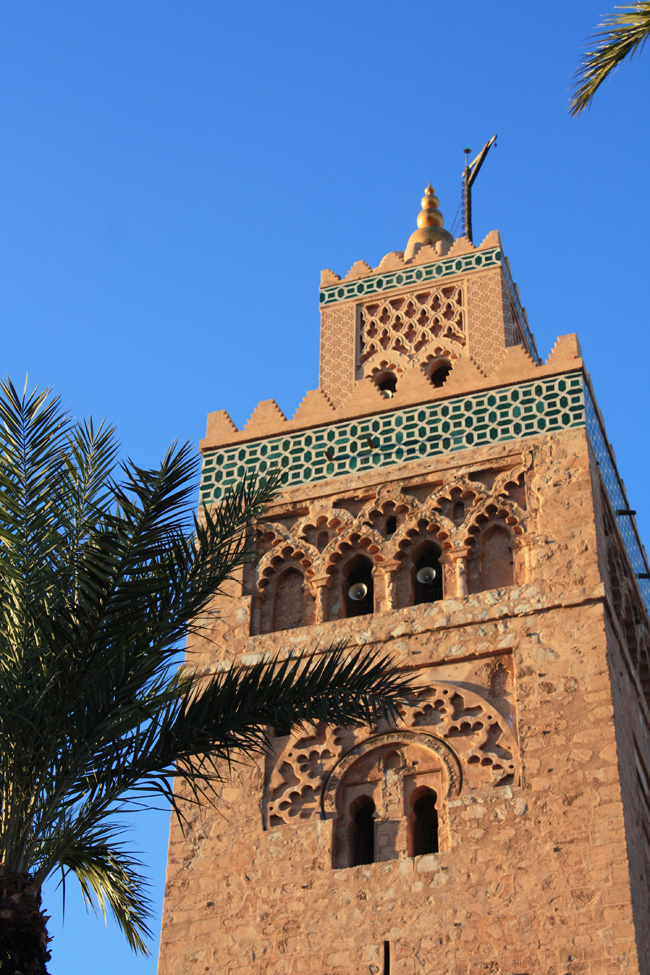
[{"x": 530, "y": 725}]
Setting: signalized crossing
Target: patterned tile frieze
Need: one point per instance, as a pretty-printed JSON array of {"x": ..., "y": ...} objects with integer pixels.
[
  {"x": 415, "y": 275},
  {"x": 385, "y": 439},
  {"x": 616, "y": 494}
]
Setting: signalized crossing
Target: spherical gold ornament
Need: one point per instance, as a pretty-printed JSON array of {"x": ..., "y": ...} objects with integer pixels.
[{"x": 430, "y": 224}]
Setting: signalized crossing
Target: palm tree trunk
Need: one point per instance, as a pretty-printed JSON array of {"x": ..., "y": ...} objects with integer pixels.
[{"x": 23, "y": 933}]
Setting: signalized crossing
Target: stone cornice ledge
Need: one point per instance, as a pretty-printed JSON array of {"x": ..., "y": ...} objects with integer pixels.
[{"x": 402, "y": 627}]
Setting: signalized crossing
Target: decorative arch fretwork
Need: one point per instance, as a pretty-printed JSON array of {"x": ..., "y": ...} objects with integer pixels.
[
  {"x": 388, "y": 528},
  {"x": 492, "y": 540},
  {"x": 476, "y": 738}
]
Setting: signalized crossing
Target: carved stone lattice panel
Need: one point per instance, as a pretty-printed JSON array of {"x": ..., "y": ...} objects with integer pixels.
[
  {"x": 477, "y": 731},
  {"x": 408, "y": 324},
  {"x": 337, "y": 352},
  {"x": 485, "y": 306},
  {"x": 294, "y": 790},
  {"x": 474, "y": 740}
]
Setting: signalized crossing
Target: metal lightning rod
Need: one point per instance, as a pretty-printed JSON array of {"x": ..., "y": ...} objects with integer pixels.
[{"x": 470, "y": 173}]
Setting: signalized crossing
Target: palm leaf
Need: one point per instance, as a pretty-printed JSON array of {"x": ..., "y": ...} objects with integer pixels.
[
  {"x": 619, "y": 35},
  {"x": 109, "y": 878},
  {"x": 234, "y": 710},
  {"x": 104, "y": 569}
]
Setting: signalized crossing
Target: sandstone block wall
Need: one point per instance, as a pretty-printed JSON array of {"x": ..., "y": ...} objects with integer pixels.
[{"x": 530, "y": 701}]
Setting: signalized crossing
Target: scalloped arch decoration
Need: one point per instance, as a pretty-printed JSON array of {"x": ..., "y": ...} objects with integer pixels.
[
  {"x": 276, "y": 561},
  {"x": 439, "y": 746},
  {"x": 472, "y": 727},
  {"x": 491, "y": 513}
]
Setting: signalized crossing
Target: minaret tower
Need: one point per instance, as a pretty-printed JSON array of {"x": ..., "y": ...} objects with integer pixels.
[{"x": 452, "y": 498}]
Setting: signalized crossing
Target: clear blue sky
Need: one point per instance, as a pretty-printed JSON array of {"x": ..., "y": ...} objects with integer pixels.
[{"x": 174, "y": 175}]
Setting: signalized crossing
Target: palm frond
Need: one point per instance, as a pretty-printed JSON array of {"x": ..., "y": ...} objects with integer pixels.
[
  {"x": 233, "y": 710},
  {"x": 619, "y": 35},
  {"x": 104, "y": 569},
  {"x": 110, "y": 879},
  {"x": 107, "y": 678}
]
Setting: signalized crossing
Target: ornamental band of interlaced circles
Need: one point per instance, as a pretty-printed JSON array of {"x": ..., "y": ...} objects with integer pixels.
[{"x": 408, "y": 323}]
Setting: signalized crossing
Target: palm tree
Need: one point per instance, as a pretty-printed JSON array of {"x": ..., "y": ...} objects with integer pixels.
[
  {"x": 103, "y": 571},
  {"x": 618, "y": 36}
]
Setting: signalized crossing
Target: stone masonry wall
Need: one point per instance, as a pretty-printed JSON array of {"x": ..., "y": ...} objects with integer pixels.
[
  {"x": 533, "y": 874},
  {"x": 628, "y": 639},
  {"x": 633, "y": 748}
]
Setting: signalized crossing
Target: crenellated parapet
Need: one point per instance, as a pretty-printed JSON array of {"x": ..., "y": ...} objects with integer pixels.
[
  {"x": 443, "y": 302},
  {"x": 423, "y": 255},
  {"x": 388, "y": 438},
  {"x": 445, "y": 322},
  {"x": 412, "y": 389}
]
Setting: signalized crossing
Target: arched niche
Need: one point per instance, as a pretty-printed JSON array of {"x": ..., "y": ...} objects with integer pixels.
[
  {"x": 285, "y": 595},
  {"x": 497, "y": 565},
  {"x": 391, "y": 772},
  {"x": 491, "y": 562},
  {"x": 358, "y": 587},
  {"x": 288, "y": 600}
]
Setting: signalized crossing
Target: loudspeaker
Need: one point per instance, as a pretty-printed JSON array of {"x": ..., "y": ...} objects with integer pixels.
[
  {"x": 426, "y": 575},
  {"x": 358, "y": 591}
]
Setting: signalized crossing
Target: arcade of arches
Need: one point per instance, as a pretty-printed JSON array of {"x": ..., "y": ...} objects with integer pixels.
[{"x": 397, "y": 550}]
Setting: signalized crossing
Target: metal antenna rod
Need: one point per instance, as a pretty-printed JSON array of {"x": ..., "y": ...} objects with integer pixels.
[{"x": 470, "y": 173}]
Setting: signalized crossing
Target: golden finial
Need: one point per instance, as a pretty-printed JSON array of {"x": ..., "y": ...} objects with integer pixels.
[{"x": 430, "y": 228}]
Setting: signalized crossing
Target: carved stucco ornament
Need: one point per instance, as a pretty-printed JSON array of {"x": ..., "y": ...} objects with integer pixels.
[{"x": 438, "y": 745}]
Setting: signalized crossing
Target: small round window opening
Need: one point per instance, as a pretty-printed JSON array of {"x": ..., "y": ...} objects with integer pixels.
[
  {"x": 438, "y": 372},
  {"x": 387, "y": 383}
]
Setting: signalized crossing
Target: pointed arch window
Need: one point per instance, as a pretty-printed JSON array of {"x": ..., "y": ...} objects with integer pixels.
[
  {"x": 362, "y": 829},
  {"x": 427, "y": 574},
  {"x": 424, "y": 823},
  {"x": 390, "y": 800},
  {"x": 439, "y": 371}
]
